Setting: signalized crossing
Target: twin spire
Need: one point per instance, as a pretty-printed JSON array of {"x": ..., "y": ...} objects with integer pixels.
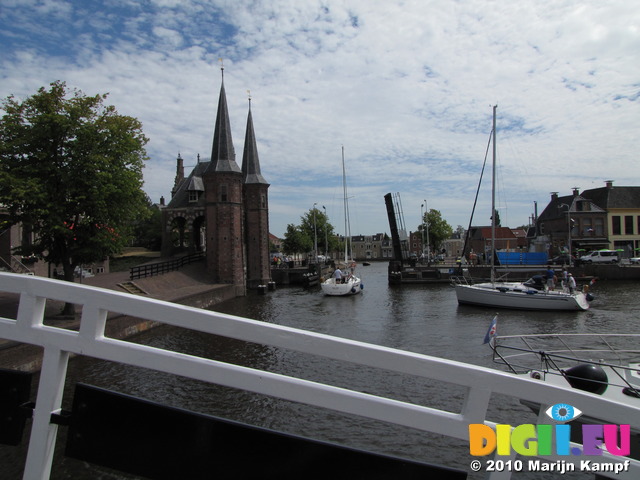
[{"x": 223, "y": 156}]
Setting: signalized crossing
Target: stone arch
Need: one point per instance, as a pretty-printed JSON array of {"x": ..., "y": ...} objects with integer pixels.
[{"x": 178, "y": 233}]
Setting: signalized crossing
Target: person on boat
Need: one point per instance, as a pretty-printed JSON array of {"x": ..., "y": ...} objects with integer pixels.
[
  {"x": 337, "y": 274},
  {"x": 572, "y": 283},
  {"x": 551, "y": 278},
  {"x": 352, "y": 267}
]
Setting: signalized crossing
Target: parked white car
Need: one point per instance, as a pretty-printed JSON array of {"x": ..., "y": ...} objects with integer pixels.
[
  {"x": 81, "y": 272},
  {"x": 635, "y": 260},
  {"x": 600, "y": 256}
]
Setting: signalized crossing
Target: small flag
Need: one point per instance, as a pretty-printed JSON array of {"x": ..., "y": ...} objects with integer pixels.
[{"x": 491, "y": 333}]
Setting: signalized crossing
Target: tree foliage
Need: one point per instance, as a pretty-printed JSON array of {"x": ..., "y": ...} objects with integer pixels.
[
  {"x": 295, "y": 241},
  {"x": 71, "y": 171},
  {"x": 148, "y": 228},
  {"x": 497, "y": 214},
  {"x": 439, "y": 229},
  {"x": 314, "y": 226}
]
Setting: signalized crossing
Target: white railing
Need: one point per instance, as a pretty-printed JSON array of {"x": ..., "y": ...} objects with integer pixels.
[{"x": 480, "y": 383}]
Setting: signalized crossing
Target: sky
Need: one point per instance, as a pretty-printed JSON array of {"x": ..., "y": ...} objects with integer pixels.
[{"x": 406, "y": 87}]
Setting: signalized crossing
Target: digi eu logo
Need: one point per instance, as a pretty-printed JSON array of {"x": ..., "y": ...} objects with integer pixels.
[{"x": 547, "y": 439}]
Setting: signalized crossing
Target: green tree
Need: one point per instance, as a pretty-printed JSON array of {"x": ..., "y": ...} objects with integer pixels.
[
  {"x": 324, "y": 231},
  {"x": 301, "y": 238},
  {"x": 295, "y": 241},
  {"x": 439, "y": 229},
  {"x": 148, "y": 228},
  {"x": 71, "y": 171},
  {"x": 497, "y": 214}
]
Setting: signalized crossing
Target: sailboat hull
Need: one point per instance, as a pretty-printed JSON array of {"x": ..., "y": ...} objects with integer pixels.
[
  {"x": 352, "y": 286},
  {"x": 513, "y": 294},
  {"x": 519, "y": 296}
]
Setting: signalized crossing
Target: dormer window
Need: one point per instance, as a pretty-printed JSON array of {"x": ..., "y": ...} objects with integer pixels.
[
  {"x": 195, "y": 187},
  {"x": 583, "y": 206}
]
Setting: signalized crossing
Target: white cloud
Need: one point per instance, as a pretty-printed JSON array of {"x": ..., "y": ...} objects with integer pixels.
[{"x": 405, "y": 86}]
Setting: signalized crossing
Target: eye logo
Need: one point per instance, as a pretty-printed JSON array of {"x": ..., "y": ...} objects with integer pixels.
[{"x": 563, "y": 412}]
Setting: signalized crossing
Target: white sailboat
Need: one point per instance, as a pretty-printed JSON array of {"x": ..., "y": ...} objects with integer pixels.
[
  {"x": 515, "y": 295},
  {"x": 348, "y": 283}
]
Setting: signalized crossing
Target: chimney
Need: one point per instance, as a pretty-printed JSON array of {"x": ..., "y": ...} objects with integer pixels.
[
  {"x": 608, "y": 183},
  {"x": 162, "y": 201},
  {"x": 179, "y": 169},
  {"x": 554, "y": 196},
  {"x": 179, "y": 175},
  {"x": 576, "y": 191}
]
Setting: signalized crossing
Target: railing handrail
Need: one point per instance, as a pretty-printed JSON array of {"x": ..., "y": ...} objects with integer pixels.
[
  {"x": 158, "y": 268},
  {"x": 480, "y": 383}
]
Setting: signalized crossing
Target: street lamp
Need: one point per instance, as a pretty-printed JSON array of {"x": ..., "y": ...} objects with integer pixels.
[
  {"x": 426, "y": 209},
  {"x": 315, "y": 235},
  {"x": 422, "y": 229},
  {"x": 568, "y": 227},
  {"x": 326, "y": 239}
]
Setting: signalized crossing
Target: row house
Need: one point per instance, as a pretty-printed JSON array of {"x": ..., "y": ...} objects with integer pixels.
[
  {"x": 506, "y": 239},
  {"x": 451, "y": 247},
  {"x": 370, "y": 247},
  {"x": 601, "y": 218},
  {"x": 367, "y": 247}
]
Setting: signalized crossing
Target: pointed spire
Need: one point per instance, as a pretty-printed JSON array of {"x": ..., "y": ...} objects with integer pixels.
[
  {"x": 223, "y": 155},
  {"x": 250, "y": 160}
]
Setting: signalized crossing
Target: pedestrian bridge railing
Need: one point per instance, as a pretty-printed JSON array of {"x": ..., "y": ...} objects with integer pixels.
[{"x": 480, "y": 385}]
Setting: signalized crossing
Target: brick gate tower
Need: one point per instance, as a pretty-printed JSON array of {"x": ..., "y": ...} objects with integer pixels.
[
  {"x": 256, "y": 207},
  {"x": 223, "y": 186},
  {"x": 222, "y": 209}
]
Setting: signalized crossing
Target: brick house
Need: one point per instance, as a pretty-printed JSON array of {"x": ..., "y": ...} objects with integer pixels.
[{"x": 600, "y": 218}]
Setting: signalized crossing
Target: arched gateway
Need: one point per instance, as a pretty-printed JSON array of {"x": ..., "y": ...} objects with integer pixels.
[{"x": 222, "y": 209}]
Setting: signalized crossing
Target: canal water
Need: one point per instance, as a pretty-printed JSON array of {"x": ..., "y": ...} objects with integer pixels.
[{"x": 418, "y": 318}]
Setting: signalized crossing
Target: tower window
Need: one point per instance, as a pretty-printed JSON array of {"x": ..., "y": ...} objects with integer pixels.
[{"x": 224, "y": 196}]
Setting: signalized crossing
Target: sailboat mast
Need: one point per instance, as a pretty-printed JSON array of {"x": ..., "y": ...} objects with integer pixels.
[
  {"x": 493, "y": 201},
  {"x": 344, "y": 206}
]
